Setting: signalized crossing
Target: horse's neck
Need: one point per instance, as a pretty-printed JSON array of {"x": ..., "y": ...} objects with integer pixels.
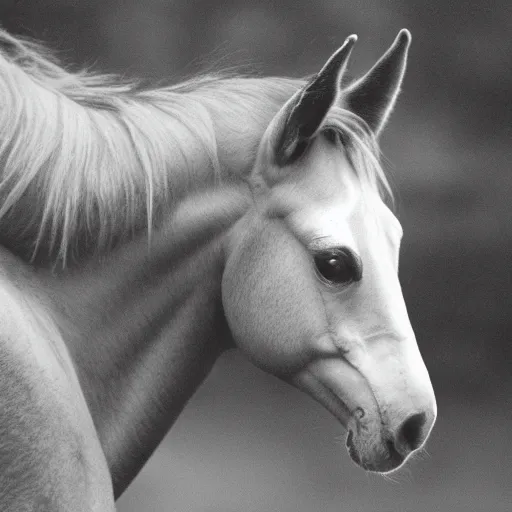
[{"x": 145, "y": 327}]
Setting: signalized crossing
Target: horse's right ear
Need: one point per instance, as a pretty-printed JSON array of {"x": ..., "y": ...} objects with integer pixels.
[
  {"x": 373, "y": 96},
  {"x": 301, "y": 118}
]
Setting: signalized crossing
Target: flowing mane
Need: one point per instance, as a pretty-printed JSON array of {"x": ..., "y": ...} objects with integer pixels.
[{"x": 88, "y": 159}]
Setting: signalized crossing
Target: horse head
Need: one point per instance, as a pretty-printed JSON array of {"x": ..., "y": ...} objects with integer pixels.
[{"x": 310, "y": 289}]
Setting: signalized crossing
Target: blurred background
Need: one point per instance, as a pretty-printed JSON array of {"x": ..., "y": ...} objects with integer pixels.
[{"x": 249, "y": 443}]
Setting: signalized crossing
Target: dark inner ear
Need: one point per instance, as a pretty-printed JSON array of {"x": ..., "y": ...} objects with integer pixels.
[
  {"x": 297, "y": 150},
  {"x": 305, "y": 118},
  {"x": 312, "y": 104}
]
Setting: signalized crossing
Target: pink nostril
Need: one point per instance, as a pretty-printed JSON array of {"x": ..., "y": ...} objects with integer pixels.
[{"x": 410, "y": 435}]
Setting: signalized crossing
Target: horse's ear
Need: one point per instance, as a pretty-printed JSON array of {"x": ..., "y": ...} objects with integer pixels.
[
  {"x": 373, "y": 96},
  {"x": 305, "y": 112}
]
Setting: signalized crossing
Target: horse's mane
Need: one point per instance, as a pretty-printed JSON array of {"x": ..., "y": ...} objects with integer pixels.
[{"x": 87, "y": 159}]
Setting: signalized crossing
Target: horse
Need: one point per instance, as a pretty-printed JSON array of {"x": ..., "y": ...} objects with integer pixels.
[{"x": 144, "y": 231}]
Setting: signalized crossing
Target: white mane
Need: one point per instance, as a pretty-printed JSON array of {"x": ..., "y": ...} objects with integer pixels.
[{"x": 85, "y": 159}]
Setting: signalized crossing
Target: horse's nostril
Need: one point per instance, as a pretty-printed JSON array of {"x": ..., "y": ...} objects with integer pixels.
[{"x": 410, "y": 434}]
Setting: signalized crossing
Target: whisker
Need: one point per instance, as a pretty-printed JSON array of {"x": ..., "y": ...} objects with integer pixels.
[{"x": 389, "y": 478}]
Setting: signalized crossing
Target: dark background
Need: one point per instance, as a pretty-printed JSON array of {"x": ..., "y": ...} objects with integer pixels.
[{"x": 248, "y": 442}]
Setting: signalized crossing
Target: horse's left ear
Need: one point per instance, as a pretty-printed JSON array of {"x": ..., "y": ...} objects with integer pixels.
[
  {"x": 303, "y": 115},
  {"x": 373, "y": 96}
]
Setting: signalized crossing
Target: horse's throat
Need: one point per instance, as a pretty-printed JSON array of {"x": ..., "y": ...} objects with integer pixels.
[
  {"x": 159, "y": 380},
  {"x": 142, "y": 341}
]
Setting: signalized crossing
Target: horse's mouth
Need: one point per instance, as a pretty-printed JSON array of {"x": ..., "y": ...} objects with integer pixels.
[
  {"x": 354, "y": 455},
  {"x": 388, "y": 460},
  {"x": 336, "y": 384},
  {"x": 342, "y": 390},
  {"x": 322, "y": 393}
]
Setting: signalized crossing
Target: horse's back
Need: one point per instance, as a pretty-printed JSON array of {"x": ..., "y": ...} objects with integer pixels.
[{"x": 51, "y": 459}]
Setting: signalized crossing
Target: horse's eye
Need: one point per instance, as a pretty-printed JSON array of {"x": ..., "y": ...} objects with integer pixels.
[{"x": 338, "y": 266}]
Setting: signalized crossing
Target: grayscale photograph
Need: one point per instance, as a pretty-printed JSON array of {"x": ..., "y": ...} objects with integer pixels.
[{"x": 255, "y": 256}]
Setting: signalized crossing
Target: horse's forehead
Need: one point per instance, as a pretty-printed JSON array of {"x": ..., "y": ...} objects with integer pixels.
[
  {"x": 361, "y": 219},
  {"x": 326, "y": 203},
  {"x": 326, "y": 171},
  {"x": 322, "y": 180}
]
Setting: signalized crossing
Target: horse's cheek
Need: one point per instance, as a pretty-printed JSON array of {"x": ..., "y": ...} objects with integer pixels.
[{"x": 272, "y": 306}]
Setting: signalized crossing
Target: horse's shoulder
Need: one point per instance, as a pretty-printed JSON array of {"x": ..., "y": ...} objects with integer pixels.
[{"x": 48, "y": 445}]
